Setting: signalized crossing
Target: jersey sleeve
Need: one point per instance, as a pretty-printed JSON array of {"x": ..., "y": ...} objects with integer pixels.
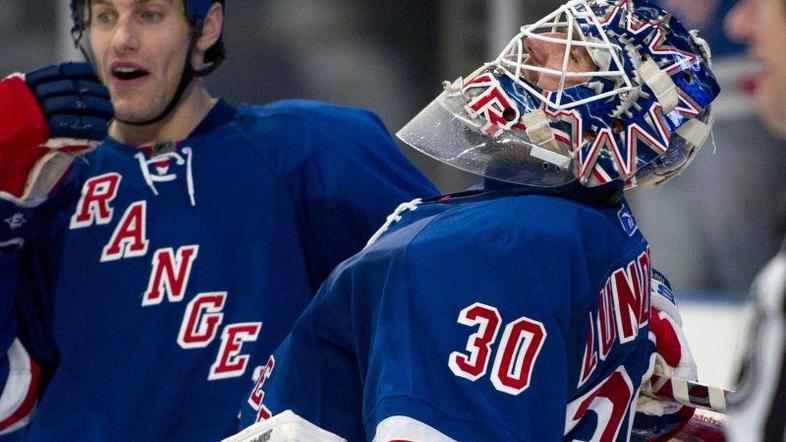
[
  {"x": 364, "y": 178},
  {"x": 314, "y": 372},
  {"x": 345, "y": 174},
  {"x": 19, "y": 373},
  {"x": 27, "y": 349}
]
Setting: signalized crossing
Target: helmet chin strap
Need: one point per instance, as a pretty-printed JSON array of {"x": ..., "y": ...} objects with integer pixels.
[{"x": 188, "y": 75}]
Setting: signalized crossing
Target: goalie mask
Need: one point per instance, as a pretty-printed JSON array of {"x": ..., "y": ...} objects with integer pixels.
[{"x": 595, "y": 92}]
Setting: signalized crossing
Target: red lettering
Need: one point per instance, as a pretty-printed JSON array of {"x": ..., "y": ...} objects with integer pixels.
[
  {"x": 519, "y": 349},
  {"x": 590, "y": 355},
  {"x": 170, "y": 274},
  {"x": 609, "y": 400},
  {"x": 646, "y": 278},
  {"x": 606, "y": 330},
  {"x": 257, "y": 394},
  {"x": 474, "y": 365},
  {"x": 201, "y": 320},
  {"x": 93, "y": 206},
  {"x": 628, "y": 301},
  {"x": 492, "y": 104},
  {"x": 230, "y": 363},
  {"x": 129, "y": 239}
]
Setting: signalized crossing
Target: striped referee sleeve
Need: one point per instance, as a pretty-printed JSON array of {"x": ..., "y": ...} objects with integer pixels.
[{"x": 758, "y": 407}]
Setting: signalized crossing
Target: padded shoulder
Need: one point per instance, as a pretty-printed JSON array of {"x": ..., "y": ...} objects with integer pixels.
[{"x": 294, "y": 131}]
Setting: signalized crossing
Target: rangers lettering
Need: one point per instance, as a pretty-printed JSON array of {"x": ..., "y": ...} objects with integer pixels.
[
  {"x": 257, "y": 394},
  {"x": 93, "y": 206},
  {"x": 607, "y": 332},
  {"x": 646, "y": 277},
  {"x": 623, "y": 309},
  {"x": 590, "y": 355},
  {"x": 493, "y": 104},
  {"x": 201, "y": 320},
  {"x": 170, "y": 274},
  {"x": 129, "y": 239},
  {"x": 230, "y": 363},
  {"x": 610, "y": 401},
  {"x": 630, "y": 302}
]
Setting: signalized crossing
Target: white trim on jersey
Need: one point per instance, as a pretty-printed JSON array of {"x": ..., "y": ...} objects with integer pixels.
[
  {"x": 403, "y": 428},
  {"x": 16, "y": 405}
]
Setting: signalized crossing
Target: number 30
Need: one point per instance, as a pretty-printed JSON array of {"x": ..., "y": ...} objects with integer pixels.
[{"x": 519, "y": 347}]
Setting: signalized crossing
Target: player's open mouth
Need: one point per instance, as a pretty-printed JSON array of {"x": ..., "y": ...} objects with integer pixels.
[{"x": 127, "y": 73}]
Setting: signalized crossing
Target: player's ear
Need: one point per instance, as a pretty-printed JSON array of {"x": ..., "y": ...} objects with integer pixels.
[{"x": 211, "y": 29}]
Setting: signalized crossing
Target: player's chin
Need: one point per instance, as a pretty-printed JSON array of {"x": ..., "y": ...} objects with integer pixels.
[{"x": 132, "y": 110}]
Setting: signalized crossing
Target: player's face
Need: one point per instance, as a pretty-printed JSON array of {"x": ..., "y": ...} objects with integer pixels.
[
  {"x": 762, "y": 25},
  {"x": 140, "y": 51},
  {"x": 551, "y": 55}
]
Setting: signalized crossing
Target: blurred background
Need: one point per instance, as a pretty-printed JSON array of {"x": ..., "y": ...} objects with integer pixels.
[{"x": 711, "y": 229}]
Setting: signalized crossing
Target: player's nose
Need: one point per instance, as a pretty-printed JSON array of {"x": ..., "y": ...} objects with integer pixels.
[
  {"x": 126, "y": 36},
  {"x": 538, "y": 50},
  {"x": 739, "y": 21}
]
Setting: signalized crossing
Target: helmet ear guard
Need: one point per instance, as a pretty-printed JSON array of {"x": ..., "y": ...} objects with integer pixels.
[{"x": 642, "y": 112}]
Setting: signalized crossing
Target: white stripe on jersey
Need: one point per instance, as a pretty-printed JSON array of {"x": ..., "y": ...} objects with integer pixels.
[
  {"x": 403, "y": 428},
  {"x": 17, "y": 387}
]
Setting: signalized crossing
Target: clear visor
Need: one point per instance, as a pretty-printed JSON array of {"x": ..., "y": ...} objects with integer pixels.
[
  {"x": 683, "y": 148},
  {"x": 445, "y": 131}
]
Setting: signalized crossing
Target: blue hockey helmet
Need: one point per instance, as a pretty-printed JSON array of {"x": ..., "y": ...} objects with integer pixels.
[
  {"x": 196, "y": 11},
  {"x": 637, "y": 111}
]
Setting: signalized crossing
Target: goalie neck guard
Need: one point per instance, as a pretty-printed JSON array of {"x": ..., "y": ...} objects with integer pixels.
[
  {"x": 196, "y": 12},
  {"x": 636, "y": 110}
]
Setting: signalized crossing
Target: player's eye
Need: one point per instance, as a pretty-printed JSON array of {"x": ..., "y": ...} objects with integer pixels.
[
  {"x": 105, "y": 17},
  {"x": 150, "y": 16}
]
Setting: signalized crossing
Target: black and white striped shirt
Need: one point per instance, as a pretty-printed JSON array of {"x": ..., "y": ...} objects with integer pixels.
[{"x": 758, "y": 408}]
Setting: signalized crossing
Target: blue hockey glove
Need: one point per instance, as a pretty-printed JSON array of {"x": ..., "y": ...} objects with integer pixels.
[
  {"x": 49, "y": 115},
  {"x": 75, "y": 103}
]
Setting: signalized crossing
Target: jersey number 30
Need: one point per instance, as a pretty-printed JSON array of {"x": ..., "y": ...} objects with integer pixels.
[{"x": 515, "y": 355}]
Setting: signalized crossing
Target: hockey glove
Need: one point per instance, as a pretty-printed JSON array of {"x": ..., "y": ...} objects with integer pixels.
[
  {"x": 49, "y": 116},
  {"x": 657, "y": 420}
]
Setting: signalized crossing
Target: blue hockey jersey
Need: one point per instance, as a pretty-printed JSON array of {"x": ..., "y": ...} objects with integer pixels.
[
  {"x": 495, "y": 316},
  {"x": 161, "y": 277}
]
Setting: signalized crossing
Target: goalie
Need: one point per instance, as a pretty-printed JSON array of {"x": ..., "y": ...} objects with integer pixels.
[{"x": 520, "y": 311}]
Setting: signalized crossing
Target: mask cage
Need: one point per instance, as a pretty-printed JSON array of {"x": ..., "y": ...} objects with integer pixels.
[{"x": 581, "y": 28}]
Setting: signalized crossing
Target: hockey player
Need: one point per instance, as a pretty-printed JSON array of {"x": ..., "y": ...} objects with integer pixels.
[
  {"x": 520, "y": 311},
  {"x": 756, "y": 410},
  {"x": 174, "y": 258}
]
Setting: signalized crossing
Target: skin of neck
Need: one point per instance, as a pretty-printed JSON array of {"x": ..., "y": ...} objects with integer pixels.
[{"x": 194, "y": 105}]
